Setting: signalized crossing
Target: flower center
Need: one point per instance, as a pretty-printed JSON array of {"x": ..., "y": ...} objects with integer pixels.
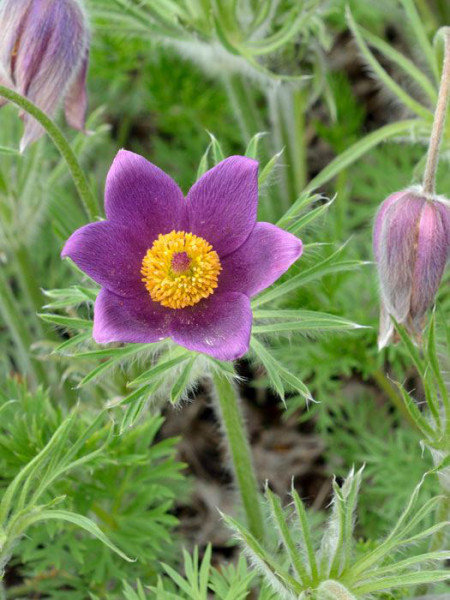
[{"x": 180, "y": 269}]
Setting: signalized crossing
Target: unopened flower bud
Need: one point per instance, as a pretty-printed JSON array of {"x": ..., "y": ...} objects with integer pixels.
[
  {"x": 411, "y": 244},
  {"x": 44, "y": 51}
]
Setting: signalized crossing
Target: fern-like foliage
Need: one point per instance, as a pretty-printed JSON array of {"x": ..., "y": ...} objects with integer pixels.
[
  {"x": 202, "y": 581},
  {"x": 75, "y": 472}
]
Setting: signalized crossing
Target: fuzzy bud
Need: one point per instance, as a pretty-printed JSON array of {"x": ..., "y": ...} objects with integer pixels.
[
  {"x": 44, "y": 52},
  {"x": 411, "y": 241}
]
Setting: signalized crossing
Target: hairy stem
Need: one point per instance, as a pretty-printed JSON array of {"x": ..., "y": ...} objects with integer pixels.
[
  {"x": 386, "y": 386},
  {"x": 244, "y": 106},
  {"x": 79, "y": 178},
  {"x": 287, "y": 115},
  {"x": 429, "y": 177},
  {"x": 27, "y": 279},
  {"x": 438, "y": 541},
  {"x": 230, "y": 415},
  {"x": 19, "y": 332}
]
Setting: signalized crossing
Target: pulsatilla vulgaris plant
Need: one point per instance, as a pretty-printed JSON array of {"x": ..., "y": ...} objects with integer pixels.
[
  {"x": 184, "y": 284},
  {"x": 44, "y": 51},
  {"x": 181, "y": 268},
  {"x": 185, "y": 269}
]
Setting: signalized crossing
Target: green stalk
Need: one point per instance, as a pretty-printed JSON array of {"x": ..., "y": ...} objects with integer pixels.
[
  {"x": 27, "y": 280},
  {"x": 297, "y": 137},
  {"x": 26, "y": 277},
  {"x": 438, "y": 540},
  {"x": 280, "y": 110},
  {"x": 429, "y": 176},
  {"x": 230, "y": 415},
  {"x": 81, "y": 183},
  {"x": 19, "y": 332},
  {"x": 341, "y": 209},
  {"x": 243, "y": 105},
  {"x": 386, "y": 386},
  {"x": 287, "y": 109}
]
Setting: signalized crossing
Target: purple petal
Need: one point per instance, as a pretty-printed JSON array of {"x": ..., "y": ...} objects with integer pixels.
[
  {"x": 12, "y": 20},
  {"x": 397, "y": 253},
  {"x": 76, "y": 98},
  {"x": 431, "y": 257},
  {"x": 110, "y": 254},
  {"x": 386, "y": 328},
  {"x": 12, "y": 14},
  {"x": 261, "y": 260},
  {"x": 444, "y": 209},
  {"x": 219, "y": 326},
  {"x": 380, "y": 217},
  {"x": 50, "y": 51},
  {"x": 6, "y": 83},
  {"x": 132, "y": 320},
  {"x": 222, "y": 204},
  {"x": 139, "y": 195}
]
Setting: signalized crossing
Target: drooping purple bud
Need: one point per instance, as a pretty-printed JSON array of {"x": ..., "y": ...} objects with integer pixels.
[
  {"x": 411, "y": 241},
  {"x": 44, "y": 50}
]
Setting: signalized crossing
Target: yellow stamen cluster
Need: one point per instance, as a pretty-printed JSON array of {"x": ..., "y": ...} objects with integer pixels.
[{"x": 180, "y": 269}]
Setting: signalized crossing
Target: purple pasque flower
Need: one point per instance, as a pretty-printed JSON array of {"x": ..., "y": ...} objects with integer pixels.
[
  {"x": 177, "y": 267},
  {"x": 411, "y": 241},
  {"x": 44, "y": 51}
]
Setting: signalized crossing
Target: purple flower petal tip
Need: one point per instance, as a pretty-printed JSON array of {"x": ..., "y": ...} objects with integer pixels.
[
  {"x": 140, "y": 194},
  {"x": 43, "y": 55},
  {"x": 177, "y": 267},
  {"x": 230, "y": 189},
  {"x": 267, "y": 253}
]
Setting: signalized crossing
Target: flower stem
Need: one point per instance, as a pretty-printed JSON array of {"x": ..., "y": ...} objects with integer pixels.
[
  {"x": 429, "y": 177},
  {"x": 63, "y": 146},
  {"x": 18, "y": 331},
  {"x": 287, "y": 115},
  {"x": 231, "y": 417},
  {"x": 386, "y": 386},
  {"x": 27, "y": 279},
  {"x": 243, "y": 106}
]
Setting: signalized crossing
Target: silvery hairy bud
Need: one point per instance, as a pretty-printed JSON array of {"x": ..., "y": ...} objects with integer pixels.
[
  {"x": 411, "y": 245},
  {"x": 44, "y": 51}
]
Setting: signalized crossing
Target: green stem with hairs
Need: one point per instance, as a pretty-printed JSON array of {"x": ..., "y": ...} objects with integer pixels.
[
  {"x": 387, "y": 387},
  {"x": 243, "y": 105},
  {"x": 429, "y": 176},
  {"x": 231, "y": 418},
  {"x": 297, "y": 138},
  {"x": 27, "y": 280},
  {"x": 437, "y": 542},
  {"x": 79, "y": 178},
  {"x": 18, "y": 330}
]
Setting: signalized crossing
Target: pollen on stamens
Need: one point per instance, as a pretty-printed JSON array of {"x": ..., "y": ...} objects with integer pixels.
[{"x": 180, "y": 269}]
